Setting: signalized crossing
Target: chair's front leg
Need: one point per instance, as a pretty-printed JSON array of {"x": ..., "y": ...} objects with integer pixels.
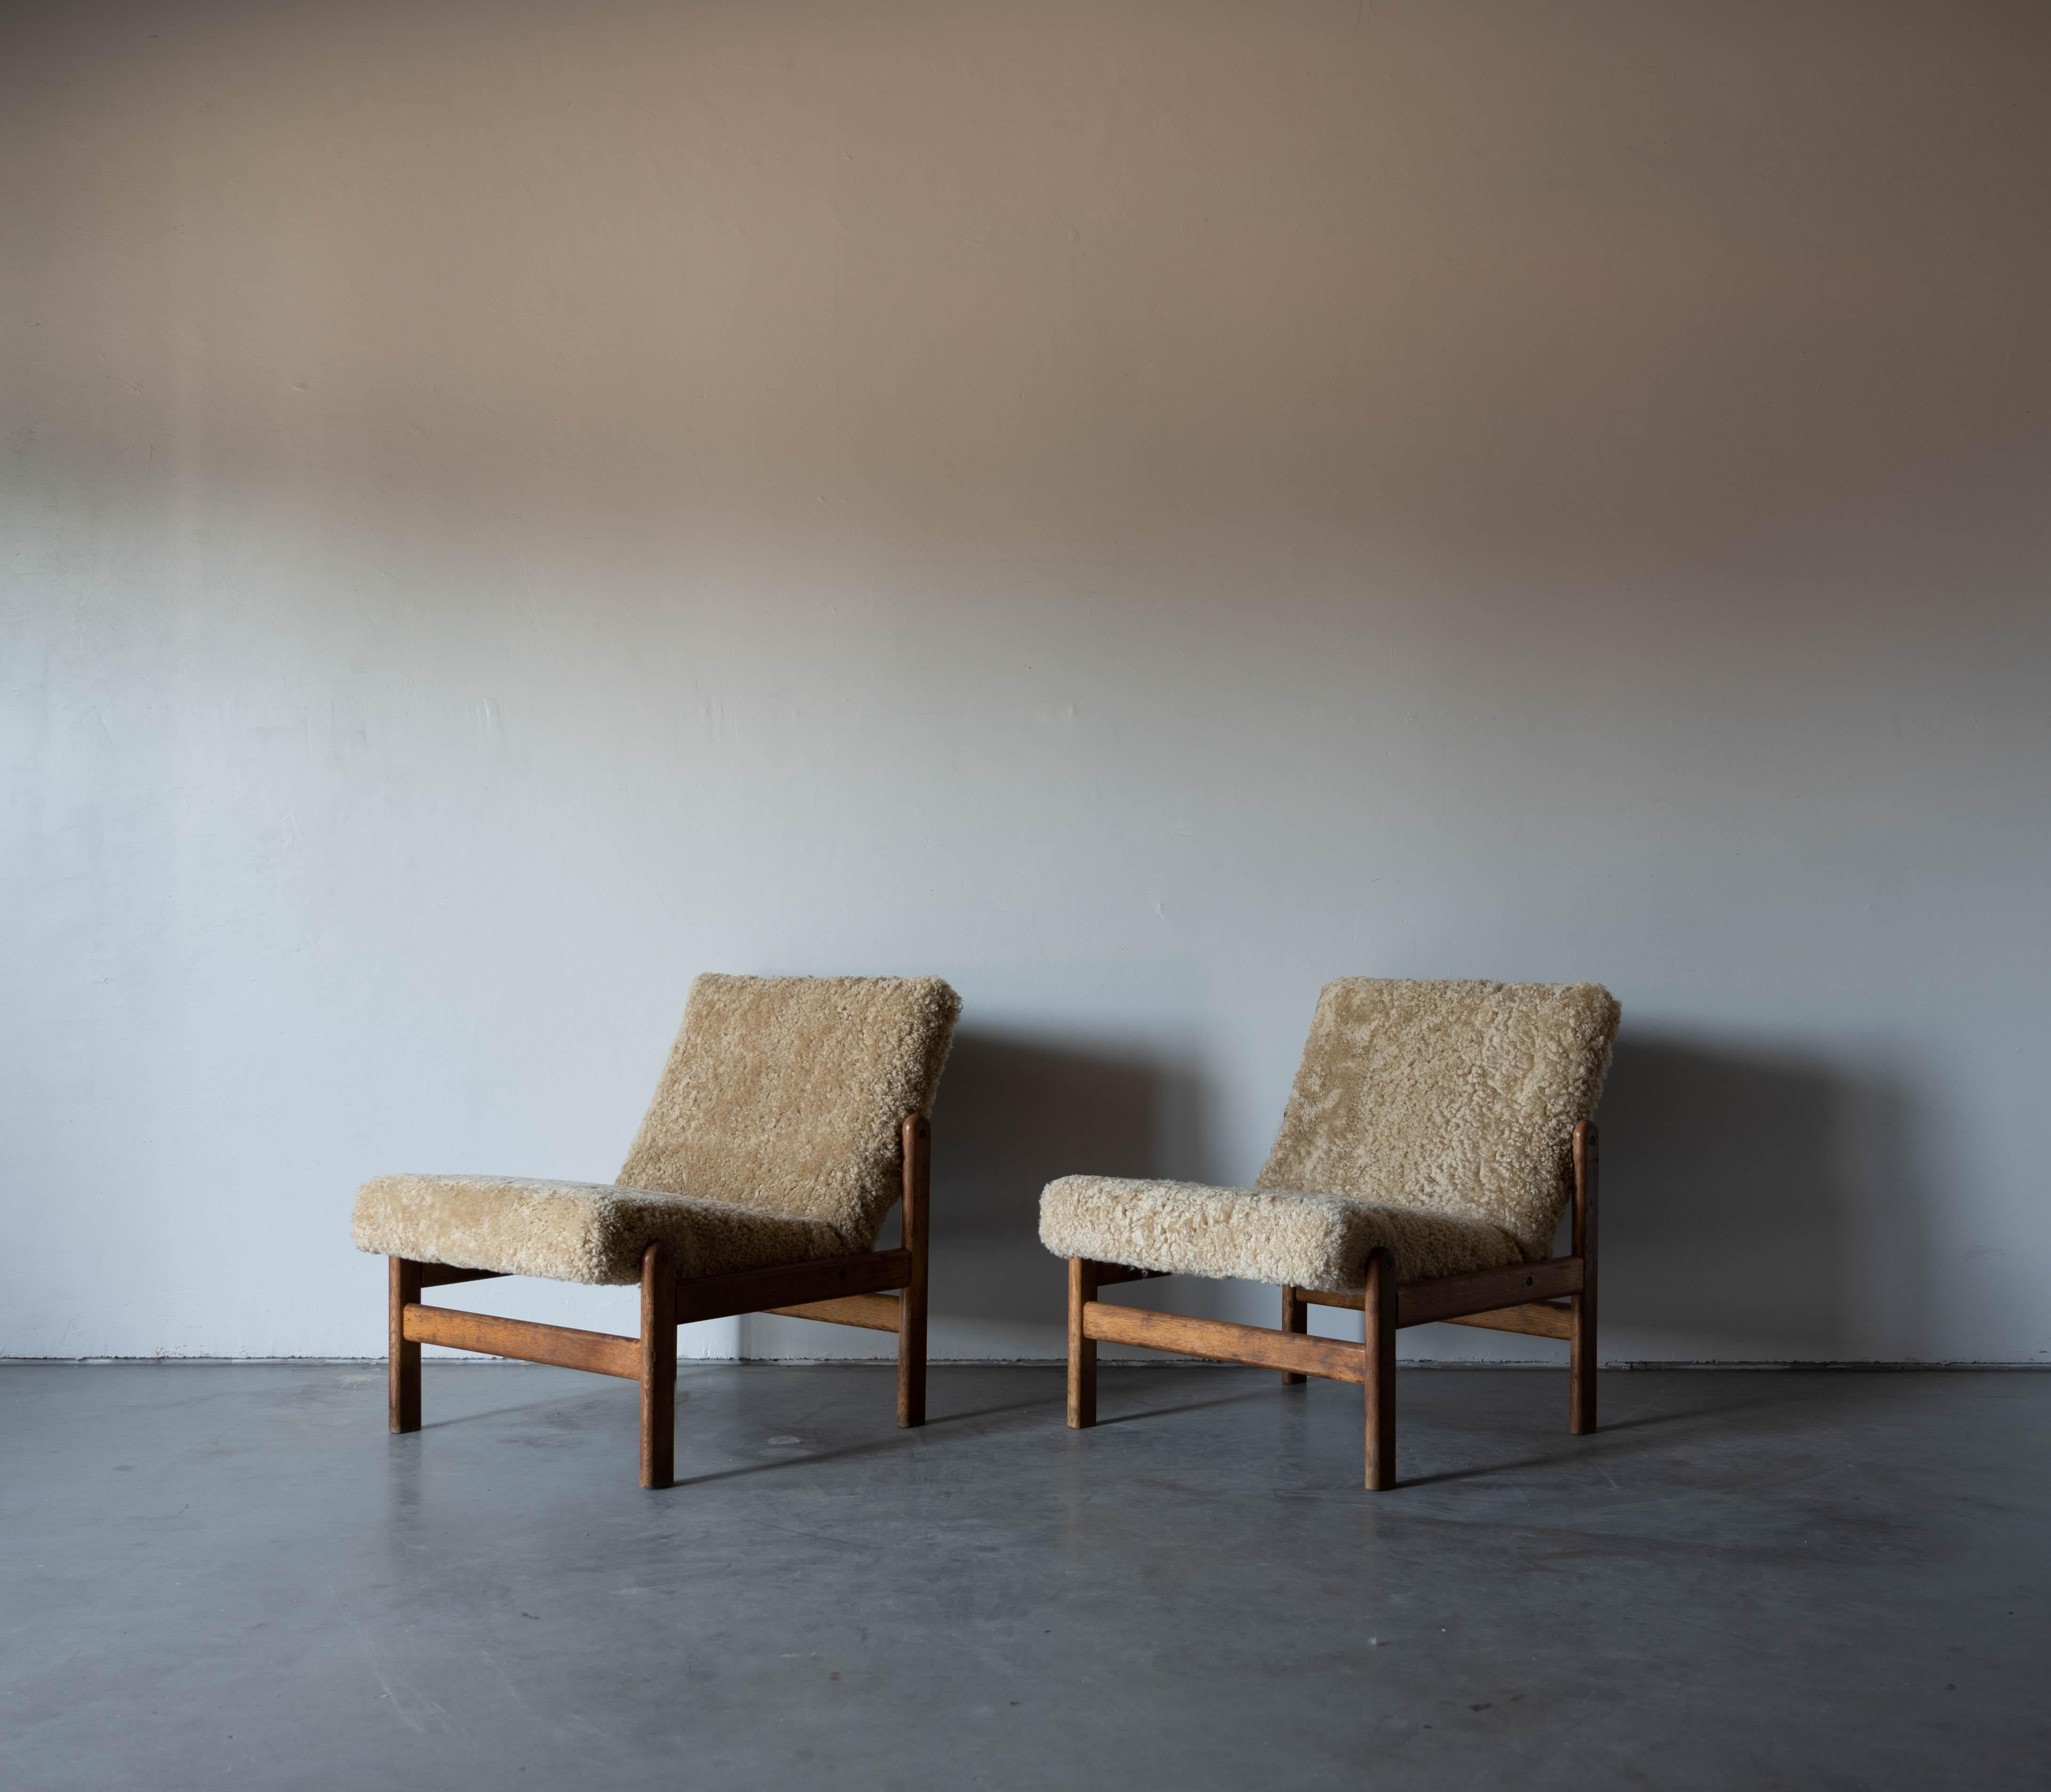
[
  {"x": 1378, "y": 1318},
  {"x": 403, "y": 1374},
  {"x": 911, "y": 1297},
  {"x": 658, "y": 1368},
  {"x": 1082, "y": 1351}
]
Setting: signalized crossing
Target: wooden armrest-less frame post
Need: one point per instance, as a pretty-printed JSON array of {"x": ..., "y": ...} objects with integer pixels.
[
  {"x": 1082, "y": 1347},
  {"x": 840, "y": 1290},
  {"x": 1379, "y": 1316},
  {"x": 1085, "y": 1278},
  {"x": 1587, "y": 1166},
  {"x": 1552, "y": 1299},
  {"x": 404, "y": 1371},
  {"x": 658, "y": 1368},
  {"x": 912, "y": 1302}
]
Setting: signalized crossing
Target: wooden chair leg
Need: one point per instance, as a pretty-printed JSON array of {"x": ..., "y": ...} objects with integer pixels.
[
  {"x": 1581, "y": 1398},
  {"x": 658, "y": 1368},
  {"x": 403, "y": 1373},
  {"x": 1295, "y": 1317},
  {"x": 911, "y": 1297},
  {"x": 1082, "y": 1351},
  {"x": 1378, "y": 1315}
]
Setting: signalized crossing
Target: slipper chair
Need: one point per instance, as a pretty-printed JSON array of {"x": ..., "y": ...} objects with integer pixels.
[
  {"x": 1433, "y": 1138},
  {"x": 790, "y": 1118}
]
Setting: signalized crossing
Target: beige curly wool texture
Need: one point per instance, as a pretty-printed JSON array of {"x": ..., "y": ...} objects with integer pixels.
[
  {"x": 772, "y": 1138},
  {"x": 574, "y": 1231},
  {"x": 1282, "y": 1236},
  {"x": 1433, "y": 1119}
]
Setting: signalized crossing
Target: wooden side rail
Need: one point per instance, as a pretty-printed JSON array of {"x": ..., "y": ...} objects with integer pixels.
[
  {"x": 1535, "y": 1319},
  {"x": 874, "y": 1313},
  {"x": 602, "y": 1352},
  {"x": 1519, "y": 1299},
  {"x": 441, "y": 1275},
  {"x": 1456, "y": 1298},
  {"x": 840, "y": 1287},
  {"x": 1334, "y": 1359},
  {"x": 790, "y": 1284}
]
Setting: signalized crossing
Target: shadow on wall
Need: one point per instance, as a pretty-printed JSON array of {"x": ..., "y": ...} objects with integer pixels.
[
  {"x": 1755, "y": 1207},
  {"x": 1013, "y": 1114}
]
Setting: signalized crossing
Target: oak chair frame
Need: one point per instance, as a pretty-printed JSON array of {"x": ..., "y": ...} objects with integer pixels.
[
  {"x": 1552, "y": 1299},
  {"x": 876, "y": 1290}
]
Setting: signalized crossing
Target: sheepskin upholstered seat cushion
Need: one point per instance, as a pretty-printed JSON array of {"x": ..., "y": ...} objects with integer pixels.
[
  {"x": 1258, "y": 1235},
  {"x": 1436, "y": 1119},
  {"x": 575, "y": 1231},
  {"x": 773, "y": 1138}
]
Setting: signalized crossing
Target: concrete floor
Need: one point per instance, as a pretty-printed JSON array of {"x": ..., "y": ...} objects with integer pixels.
[{"x": 232, "y": 1574}]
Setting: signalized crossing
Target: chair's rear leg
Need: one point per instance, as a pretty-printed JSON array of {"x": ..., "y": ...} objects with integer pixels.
[
  {"x": 911, "y": 1297},
  {"x": 1082, "y": 1351},
  {"x": 1295, "y": 1317},
  {"x": 1581, "y": 1374},
  {"x": 658, "y": 1368},
  {"x": 911, "y": 1356},
  {"x": 1581, "y": 1396},
  {"x": 1378, "y": 1316},
  {"x": 404, "y": 1357}
]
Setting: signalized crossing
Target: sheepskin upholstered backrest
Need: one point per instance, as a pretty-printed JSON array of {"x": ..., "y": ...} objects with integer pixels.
[
  {"x": 787, "y": 1093},
  {"x": 1460, "y": 1097}
]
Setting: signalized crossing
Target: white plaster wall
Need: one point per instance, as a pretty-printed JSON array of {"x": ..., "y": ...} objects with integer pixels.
[{"x": 1137, "y": 508}]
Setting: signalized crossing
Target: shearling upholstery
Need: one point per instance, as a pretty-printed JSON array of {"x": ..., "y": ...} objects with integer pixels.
[
  {"x": 575, "y": 1231},
  {"x": 1277, "y": 1235},
  {"x": 1455, "y": 1097},
  {"x": 773, "y": 1137},
  {"x": 786, "y": 1093},
  {"x": 1434, "y": 1118}
]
